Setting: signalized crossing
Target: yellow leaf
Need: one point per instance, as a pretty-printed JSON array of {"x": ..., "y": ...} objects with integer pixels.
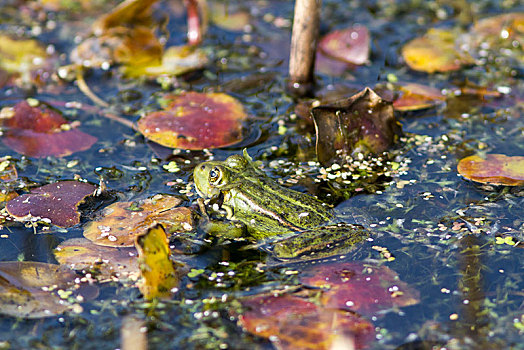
[{"x": 159, "y": 277}]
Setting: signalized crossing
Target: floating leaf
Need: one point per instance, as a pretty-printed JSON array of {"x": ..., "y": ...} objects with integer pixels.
[
  {"x": 506, "y": 27},
  {"x": 29, "y": 289},
  {"x": 495, "y": 169},
  {"x": 356, "y": 287},
  {"x": 364, "y": 123},
  {"x": 159, "y": 277},
  {"x": 41, "y": 132},
  {"x": 223, "y": 15},
  {"x": 193, "y": 120},
  {"x": 21, "y": 57},
  {"x": 57, "y": 202},
  {"x": 127, "y": 36},
  {"x": 122, "y": 222},
  {"x": 176, "y": 60},
  {"x": 414, "y": 97},
  {"x": 104, "y": 263},
  {"x": 331, "y": 66},
  {"x": 290, "y": 322},
  {"x": 350, "y": 45},
  {"x": 435, "y": 52}
]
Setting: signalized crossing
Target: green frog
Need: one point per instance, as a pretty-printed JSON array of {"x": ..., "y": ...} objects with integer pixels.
[{"x": 295, "y": 223}]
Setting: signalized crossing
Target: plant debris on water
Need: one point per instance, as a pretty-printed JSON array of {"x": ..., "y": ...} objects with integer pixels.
[{"x": 413, "y": 133}]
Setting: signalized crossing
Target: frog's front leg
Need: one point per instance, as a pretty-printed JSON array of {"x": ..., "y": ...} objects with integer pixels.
[{"x": 320, "y": 243}]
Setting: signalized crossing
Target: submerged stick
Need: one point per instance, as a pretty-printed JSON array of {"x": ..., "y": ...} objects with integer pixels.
[{"x": 303, "y": 46}]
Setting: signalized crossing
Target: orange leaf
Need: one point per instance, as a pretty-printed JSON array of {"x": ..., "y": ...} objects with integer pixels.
[{"x": 495, "y": 169}]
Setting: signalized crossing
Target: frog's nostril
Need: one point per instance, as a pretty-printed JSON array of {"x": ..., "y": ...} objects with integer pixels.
[{"x": 203, "y": 167}]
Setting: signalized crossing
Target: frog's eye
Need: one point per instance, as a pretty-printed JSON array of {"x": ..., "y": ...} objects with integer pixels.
[{"x": 215, "y": 175}]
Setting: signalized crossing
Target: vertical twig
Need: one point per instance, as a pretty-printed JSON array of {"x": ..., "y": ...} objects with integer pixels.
[{"x": 303, "y": 46}]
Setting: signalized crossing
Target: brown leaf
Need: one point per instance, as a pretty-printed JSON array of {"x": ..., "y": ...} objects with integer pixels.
[
  {"x": 28, "y": 289},
  {"x": 495, "y": 169},
  {"x": 193, "y": 120},
  {"x": 414, "y": 97},
  {"x": 57, "y": 202},
  {"x": 362, "y": 123},
  {"x": 290, "y": 322},
  {"x": 41, "y": 132},
  {"x": 104, "y": 263},
  {"x": 360, "y": 288},
  {"x": 122, "y": 222}
]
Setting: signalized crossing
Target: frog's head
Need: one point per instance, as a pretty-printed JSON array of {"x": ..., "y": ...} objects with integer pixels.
[{"x": 212, "y": 177}]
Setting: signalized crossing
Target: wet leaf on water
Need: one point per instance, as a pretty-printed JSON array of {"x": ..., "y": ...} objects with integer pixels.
[
  {"x": 360, "y": 288},
  {"x": 495, "y": 169},
  {"x": 159, "y": 275},
  {"x": 57, "y": 202},
  {"x": 176, "y": 60},
  {"x": 350, "y": 45},
  {"x": 331, "y": 66},
  {"x": 223, "y": 15},
  {"x": 290, "y": 322},
  {"x": 8, "y": 171},
  {"x": 435, "y": 52},
  {"x": 127, "y": 36},
  {"x": 193, "y": 120},
  {"x": 104, "y": 263},
  {"x": 508, "y": 27},
  {"x": 414, "y": 97},
  {"x": 41, "y": 132},
  {"x": 121, "y": 222},
  {"x": 30, "y": 289},
  {"x": 363, "y": 123},
  {"x": 21, "y": 58}
]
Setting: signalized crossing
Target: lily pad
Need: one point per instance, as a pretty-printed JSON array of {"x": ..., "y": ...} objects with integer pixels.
[
  {"x": 495, "y": 169},
  {"x": 363, "y": 122},
  {"x": 40, "y": 131},
  {"x": 193, "y": 120},
  {"x": 159, "y": 276},
  {"x": 57, "y": 202},
  {"x": 360, "y": 288},
  {"x": 121, "y": 222},
  {"x": 290, "y": 322},
  {"x": 29, "y": 289},
  {"x": 435, "y": 52},
  {"x": 104, "y": 263},
  {"x": 350, "y": 45}
]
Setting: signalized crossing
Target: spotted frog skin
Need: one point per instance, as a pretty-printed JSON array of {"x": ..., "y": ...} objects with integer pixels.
[{"x": 267, "y": 209}]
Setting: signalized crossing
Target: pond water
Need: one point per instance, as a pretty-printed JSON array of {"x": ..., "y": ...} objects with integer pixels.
[{"x": 453, "y": 241}]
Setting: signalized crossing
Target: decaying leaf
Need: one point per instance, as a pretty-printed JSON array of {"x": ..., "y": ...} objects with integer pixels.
[
  {"x": 414, "y": 97},
  {"x": 128, "y": 36},
  {"x": 159, "y": 276},
  {"x": 225, "y": 16},
  {"x": 104, "y": 263},
  {"x": 495, "y": 169},
  {"x": 360, "y": 288},
  {"x": 350, "y": 45},
  {"x": 57, "y": 203},
  {"x": 21, "y": 58},
  {"x": 362, "y": 123},
  {"x": 32, "y": 289},
  {"x": 508, "y": 27},
  {"x": 41, "y": 132},
  {"x": 435, "y": 52},
  {"x": 290, "y": 322},
  {"x": 193, "y": 120},
  {"x": 121, "y": 222}
]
